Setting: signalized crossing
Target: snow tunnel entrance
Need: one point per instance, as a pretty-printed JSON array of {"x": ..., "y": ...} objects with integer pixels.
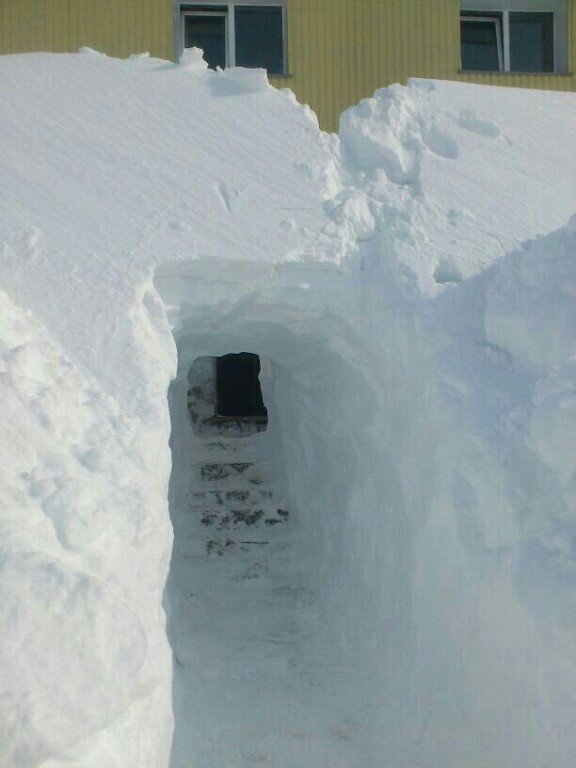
[
  {"x": 238, "y": 390},
  {"x": 224, "y": 395},
  {"x": 266, "y": 601},
  {"x": 232, "y": 551}
]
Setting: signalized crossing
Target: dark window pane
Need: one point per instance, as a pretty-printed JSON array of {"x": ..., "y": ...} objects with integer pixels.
[
  {"x": 238, "y": 392},
  {"x": 479, "y": 41},
  {"x": 259, "y": 38},
  {"x": 532, "y": 42},
  {"x": 208, "y": 33}
]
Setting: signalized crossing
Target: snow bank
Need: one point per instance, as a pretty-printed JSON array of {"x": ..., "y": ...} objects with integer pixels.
[
  {"x": 504, "y": 508},
  {"x": 413, "y": 285},
  {"x": 106, "y": 177},
  {"x": 79, "y": 503},
  {"x": 461, "y": 175}
]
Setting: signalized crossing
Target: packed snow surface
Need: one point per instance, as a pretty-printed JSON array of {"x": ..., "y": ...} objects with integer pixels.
[{"x": 397, "y": 587}]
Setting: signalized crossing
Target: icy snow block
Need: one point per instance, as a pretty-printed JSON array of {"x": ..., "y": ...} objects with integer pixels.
[
  {"x": 237, "y": 80},
  {"x": 193, "y": 59},
  {"x": 87, "y": 51}
]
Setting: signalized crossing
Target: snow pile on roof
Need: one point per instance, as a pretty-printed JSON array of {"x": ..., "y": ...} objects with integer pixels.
[{"x": 414, "y": 285}]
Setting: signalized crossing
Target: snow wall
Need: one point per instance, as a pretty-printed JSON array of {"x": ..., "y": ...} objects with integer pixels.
[{"x": 413, "y": 283}]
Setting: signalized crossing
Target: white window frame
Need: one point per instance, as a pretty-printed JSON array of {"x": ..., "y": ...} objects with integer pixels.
[
  {"x": 496, "y": 22},
  {"x": 181, "y": 10},
  {"x": 503, "y": 35}
]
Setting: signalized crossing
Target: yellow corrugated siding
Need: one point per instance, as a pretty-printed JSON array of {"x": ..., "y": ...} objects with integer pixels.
[
  {"x": 340, "y": 51},
  {"x": 543, "y": 82},
  {"x": 367, "y": 45},
  {"x": 115, "y": 27}
]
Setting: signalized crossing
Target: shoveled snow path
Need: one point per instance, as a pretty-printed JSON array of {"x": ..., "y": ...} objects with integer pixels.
[{"x": 244, "y": 690}]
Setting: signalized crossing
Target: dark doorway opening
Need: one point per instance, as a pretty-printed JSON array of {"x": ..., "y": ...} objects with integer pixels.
[{"x": 238, "y": 391}]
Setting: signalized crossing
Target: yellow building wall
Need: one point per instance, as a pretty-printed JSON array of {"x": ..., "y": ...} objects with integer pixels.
[
  {"x": 339, "y": 51},
  {"x": 342, "y": 50},
  {"x": 116, "y": 27}
]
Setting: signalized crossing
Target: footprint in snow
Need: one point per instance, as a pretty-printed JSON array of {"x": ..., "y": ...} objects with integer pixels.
[
  {"x": 470, "y": 122},
  {"x": 225, "y": 196},
  {"x": 447, "y": 273},
  {"x": 228, "y": 196},
  {"x": 439, "y": 142}
]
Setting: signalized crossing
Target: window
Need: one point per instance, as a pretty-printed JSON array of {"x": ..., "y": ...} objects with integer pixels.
[
  {"x": 207, "y": 30},
  {"x": 532, "y": 42},
  {"x": 237, "y": 34},
  {"x": 507, "y": 41},
  {"x": 481, "y": 41}
]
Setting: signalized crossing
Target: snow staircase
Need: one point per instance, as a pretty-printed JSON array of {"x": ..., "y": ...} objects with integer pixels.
[
  {"x": 241, "y": 572},
  {"x": 232, "y": 504}
]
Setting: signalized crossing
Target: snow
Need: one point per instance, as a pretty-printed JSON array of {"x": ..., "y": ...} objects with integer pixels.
[{"x": 411, "y": 285}]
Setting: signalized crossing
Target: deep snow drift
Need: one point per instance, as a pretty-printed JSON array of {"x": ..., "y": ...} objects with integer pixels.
[{"x": 412, "y": 287}]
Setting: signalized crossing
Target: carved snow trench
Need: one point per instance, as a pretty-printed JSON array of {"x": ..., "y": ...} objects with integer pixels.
[
  {"x": 269, "y": 556},
  {"x": 235, "y": 630}
]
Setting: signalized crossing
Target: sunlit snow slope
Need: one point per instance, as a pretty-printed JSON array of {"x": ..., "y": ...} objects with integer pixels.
[{"x": 412, "y": 284}]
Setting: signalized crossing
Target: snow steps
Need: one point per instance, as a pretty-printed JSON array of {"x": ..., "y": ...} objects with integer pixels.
[
  {"x": 227, "y": 497},
  {"x": 233, "y": 519},
  {"x": 232, "y": 505},
  {"x": 228, "y": 472}
]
